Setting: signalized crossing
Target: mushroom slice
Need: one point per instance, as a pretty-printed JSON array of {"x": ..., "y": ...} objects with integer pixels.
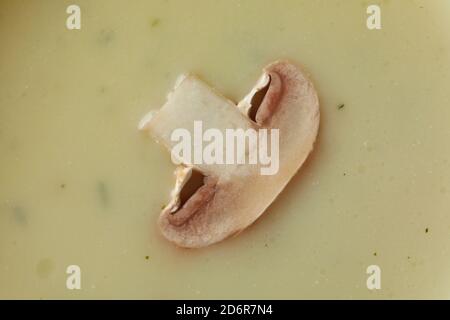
[{"x": 228, "y": 198}]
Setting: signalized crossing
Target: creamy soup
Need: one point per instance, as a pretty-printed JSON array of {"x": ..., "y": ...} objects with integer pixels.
[{"x": 80, "y": 185}]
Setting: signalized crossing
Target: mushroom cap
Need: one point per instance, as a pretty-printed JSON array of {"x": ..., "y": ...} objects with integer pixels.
[{"x": 234, "y": 195}]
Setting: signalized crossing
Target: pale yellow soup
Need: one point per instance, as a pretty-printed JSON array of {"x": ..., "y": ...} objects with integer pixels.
[{"x": 79, "y": 185}]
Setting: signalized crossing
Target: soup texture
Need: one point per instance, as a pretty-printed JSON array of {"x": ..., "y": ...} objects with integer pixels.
[{"x": 80, "y": 185}]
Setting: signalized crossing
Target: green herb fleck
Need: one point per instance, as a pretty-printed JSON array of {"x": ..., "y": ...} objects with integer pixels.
[
  {"x": 426, "y": 230},
  {"x": 105, "y": 36},
  {"x": 63, "y": 185},
  {"x": 20, "y": 215},
  {"x": 155, "y": 22},
  {"x": 45, "y": 267},
  {"x": 341, "y": 106},
  {"x": 103, "y": 193},
  {"x": 374, "y": 254},
  {"x": 147, "y": 257}
]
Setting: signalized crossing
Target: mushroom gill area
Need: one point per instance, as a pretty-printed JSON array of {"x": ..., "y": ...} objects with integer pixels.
[{"x": 195, "y": 193}]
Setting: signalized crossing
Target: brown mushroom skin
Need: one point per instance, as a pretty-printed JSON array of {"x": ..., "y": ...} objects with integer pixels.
[{"x": 229, "y": 203}]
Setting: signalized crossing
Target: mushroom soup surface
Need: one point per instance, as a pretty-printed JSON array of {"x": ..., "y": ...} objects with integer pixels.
[{"x": 81, "y": 189}]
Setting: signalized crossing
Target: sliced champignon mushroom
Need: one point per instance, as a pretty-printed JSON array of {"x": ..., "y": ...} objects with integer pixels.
[{"x": 228, "y": 198}]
